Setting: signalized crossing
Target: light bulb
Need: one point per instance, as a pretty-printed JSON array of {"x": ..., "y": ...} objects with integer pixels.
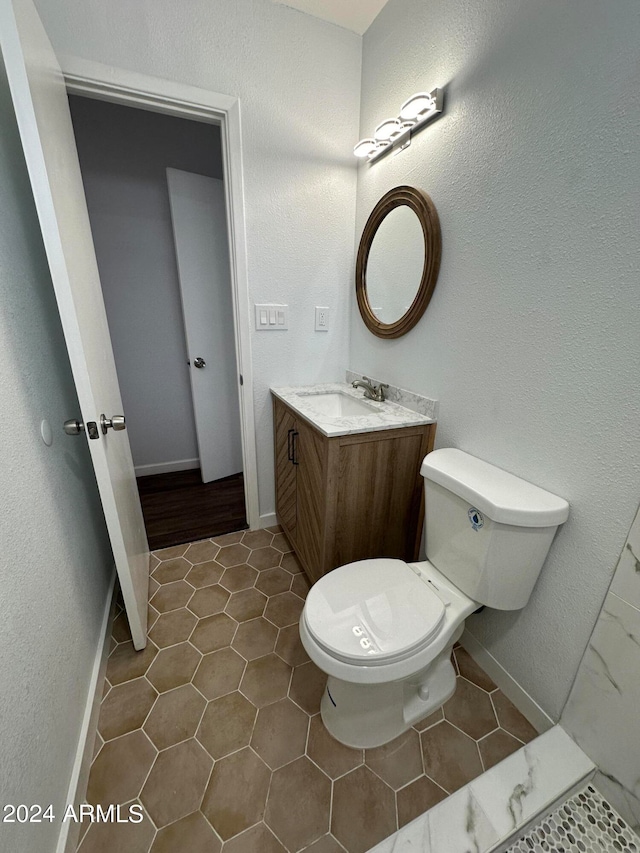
[
  {"x": 416, "y": 106},
  {"x": 365, "y": 147},
  {"x": 387, "y": 130}
]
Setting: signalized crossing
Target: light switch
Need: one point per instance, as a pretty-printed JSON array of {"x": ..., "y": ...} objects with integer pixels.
[{"x": 272, "y": 318}]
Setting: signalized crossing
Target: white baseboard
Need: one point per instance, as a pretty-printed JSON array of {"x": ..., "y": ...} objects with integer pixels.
[
  {"x": 166, "y": 467},
  {"x": 69, "y": 832},
  {"x": 267, "y": 520},
  {"x": 538, "y": 718}
]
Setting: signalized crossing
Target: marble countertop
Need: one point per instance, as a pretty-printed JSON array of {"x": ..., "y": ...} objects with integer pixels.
[{"x": 385, "y": 415}]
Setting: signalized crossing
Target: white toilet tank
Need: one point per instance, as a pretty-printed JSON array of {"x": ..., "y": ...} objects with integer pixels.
[{"x": 486, "y": 530}]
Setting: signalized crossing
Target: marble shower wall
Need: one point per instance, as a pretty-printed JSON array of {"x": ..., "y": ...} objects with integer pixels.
[{"x": 602, "y": 713}]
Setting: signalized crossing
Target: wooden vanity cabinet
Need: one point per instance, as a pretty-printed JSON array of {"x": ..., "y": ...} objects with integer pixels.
[{"x": 349, "y": 497}]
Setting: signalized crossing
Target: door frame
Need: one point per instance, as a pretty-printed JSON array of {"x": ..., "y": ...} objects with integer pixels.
[{"x": 120, "y": 86}]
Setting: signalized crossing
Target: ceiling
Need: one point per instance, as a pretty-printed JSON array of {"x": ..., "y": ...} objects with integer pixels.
[{"x": 354, "y": 15}]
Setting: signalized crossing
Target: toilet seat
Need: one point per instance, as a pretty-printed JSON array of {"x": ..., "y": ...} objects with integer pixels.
[{"x": 372, "y": 612}]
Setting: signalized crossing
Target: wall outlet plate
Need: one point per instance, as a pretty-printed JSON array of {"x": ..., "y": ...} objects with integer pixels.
[{"x": 322, "y": 319}]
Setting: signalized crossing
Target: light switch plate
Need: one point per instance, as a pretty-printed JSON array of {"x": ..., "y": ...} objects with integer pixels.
[{"x": 272, "y": 318}]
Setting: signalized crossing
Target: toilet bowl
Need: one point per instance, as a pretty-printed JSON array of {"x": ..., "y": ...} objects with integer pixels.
[{"x": 383, "y": 629}]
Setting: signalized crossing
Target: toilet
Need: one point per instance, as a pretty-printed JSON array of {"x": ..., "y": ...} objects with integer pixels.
[{"x": 383, "y": 629}]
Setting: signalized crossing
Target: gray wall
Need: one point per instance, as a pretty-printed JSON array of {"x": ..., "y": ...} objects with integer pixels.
[
  {"x": 55, "y": 562},
  {"x": 531, "y": 339},
  {"x": 298, "y": 80},
  {"x": 124, "y": 153}
]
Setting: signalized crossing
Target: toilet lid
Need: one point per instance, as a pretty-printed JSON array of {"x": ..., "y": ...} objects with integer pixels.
[{"x": 372, "y": 612}]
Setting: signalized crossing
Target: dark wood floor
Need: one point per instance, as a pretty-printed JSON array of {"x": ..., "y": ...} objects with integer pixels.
[{"x": 179, "y": 507}]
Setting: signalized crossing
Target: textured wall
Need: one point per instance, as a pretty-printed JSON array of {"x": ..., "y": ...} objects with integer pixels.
[
  {"x": 531, "y": 339},
  {"x": 55, "y": 561},
  {"x": 602, "y": 711},
  {"x": 124, "y": 154},
  {"x": 298, "y": 80}
]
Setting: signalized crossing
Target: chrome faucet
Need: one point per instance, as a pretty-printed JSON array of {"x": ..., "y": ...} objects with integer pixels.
[{"x": 371, "y": 392}]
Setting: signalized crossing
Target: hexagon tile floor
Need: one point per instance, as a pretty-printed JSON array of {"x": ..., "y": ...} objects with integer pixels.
[{"x": 215, "y": 730}]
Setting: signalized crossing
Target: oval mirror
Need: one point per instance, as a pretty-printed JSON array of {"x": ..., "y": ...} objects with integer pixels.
[{"x": 398, "y": 261}]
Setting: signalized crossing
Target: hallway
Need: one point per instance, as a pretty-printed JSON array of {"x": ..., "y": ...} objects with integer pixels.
[{"x": 179, "y": 508}]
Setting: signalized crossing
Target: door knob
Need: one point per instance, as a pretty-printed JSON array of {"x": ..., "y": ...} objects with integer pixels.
[
  {"x": 116, "y": 423},
  {"x": 199, "y": 362},
  {"x": 73, "y": 427}
]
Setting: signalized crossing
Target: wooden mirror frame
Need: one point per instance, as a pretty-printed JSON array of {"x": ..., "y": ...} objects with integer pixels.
[{"x": 427, "y": 214}]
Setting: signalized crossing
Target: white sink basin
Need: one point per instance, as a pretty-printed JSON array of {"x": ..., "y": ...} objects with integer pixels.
[{"x": 337, "y": 405}]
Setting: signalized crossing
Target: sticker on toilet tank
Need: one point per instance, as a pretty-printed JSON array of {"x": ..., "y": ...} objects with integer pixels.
[{"x": 476, "y": 518}]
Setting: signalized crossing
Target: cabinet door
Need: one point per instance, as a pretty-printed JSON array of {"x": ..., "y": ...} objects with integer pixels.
[
  {"x": 310, "y": 451},
  {"x": 379, "y": 500},
  {"x": 286, "y": 471}
]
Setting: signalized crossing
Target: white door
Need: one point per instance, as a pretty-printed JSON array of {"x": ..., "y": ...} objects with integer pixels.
[
  {"x": 200, "y": 234},
  {"x": 42, "y": 111}
]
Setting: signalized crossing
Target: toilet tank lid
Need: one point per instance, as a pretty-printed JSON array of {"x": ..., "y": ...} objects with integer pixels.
[{"x": 501, "y": 496}]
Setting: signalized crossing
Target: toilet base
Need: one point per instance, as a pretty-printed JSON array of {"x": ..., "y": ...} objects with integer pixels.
[{"x": 370, "y": 715}]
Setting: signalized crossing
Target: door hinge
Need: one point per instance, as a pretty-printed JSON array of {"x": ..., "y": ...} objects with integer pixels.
[{"x": 241, "y": 380}]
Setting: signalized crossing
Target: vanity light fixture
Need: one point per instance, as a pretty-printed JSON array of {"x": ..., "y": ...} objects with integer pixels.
[
  {"x": 365, "y": 147},
  {"x": 389, "y": 129},
  {"x": 395, "y": 133}
]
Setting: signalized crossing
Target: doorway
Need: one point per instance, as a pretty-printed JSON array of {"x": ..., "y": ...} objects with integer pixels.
[
  {"x": 148, "y": 179},
  {"x": 39, "y": 91}
]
